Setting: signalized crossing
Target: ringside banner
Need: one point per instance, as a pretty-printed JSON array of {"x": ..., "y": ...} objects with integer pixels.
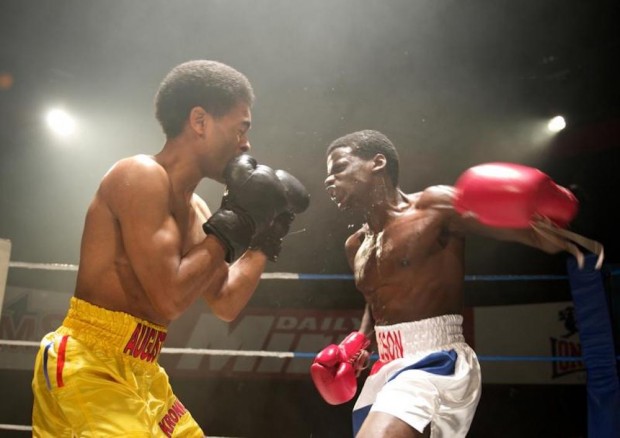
[{"x": 530, "y": 331}]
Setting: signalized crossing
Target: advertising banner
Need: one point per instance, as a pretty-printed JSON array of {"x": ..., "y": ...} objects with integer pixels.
[{"x": 529, "y": 334}]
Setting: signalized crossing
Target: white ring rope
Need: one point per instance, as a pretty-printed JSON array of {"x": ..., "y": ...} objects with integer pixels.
[
  {"x": 15, "y": 427},
  {"x": 72, "y": 267},
  {"x": 167, "y": 350},
  {"x": 171, "y": 350},
  {"x": 213, "y": 352},
  {"x": 303, "y": 276},
  {"x": 44, "y": 266}
]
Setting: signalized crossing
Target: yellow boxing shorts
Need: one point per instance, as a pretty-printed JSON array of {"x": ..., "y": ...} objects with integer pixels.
[{"x": 98, "y": 376}]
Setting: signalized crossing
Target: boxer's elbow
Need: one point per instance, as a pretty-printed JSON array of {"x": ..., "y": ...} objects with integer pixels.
[
  {"x": 173, "y": 314},
  {"x": 169, "y": 308},
  {"x": 221, "y": 304},
  {"x": 224, "y": 311},
  {"x": 228, "y": 316},
  {"x": 170, "y": 300}
]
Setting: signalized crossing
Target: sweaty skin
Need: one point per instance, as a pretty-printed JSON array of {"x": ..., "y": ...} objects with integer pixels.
[
  {"x": 411, "y": 268},
  {"x": 143, "y": 249},
  {"x": 408, "y": 258}
]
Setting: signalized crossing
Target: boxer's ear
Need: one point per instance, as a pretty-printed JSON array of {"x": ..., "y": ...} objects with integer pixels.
[
  {"x": 198, "y": 120},
  {"x": 378, "y": 163}
]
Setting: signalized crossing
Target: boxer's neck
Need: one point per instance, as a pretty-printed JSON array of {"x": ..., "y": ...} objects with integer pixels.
[
  {"x": 181, "y": 167},
  {"x": 385, "y": 201}
]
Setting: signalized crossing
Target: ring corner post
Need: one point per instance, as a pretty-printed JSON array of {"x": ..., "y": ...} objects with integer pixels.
[
  {"x": 597, "y": 347},
  {"x": 5, "y": 257}
]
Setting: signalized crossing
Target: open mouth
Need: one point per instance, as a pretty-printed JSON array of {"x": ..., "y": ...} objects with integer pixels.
[
  {"x": 331, "y": 191},
  {"x": 337, "y": 196}
]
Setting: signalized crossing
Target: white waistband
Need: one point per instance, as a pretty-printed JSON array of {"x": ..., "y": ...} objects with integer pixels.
[{"x": 408, "y": 338}]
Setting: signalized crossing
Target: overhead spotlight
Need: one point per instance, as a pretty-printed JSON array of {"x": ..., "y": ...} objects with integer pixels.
[
  {"x": 556, "y": 124},
  {"x": 60, "y": 122}
]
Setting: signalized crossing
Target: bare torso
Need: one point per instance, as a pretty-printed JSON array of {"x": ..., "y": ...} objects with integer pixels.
[
  {"x": 412, "y": 268},
  {"x": 106, "y": 277}
]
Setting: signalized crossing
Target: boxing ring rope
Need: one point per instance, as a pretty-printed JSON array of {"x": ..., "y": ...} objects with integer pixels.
[
  {"x": 307, "y": 355},
  {"x": 302, "y": 276},
  {"x": 297, "y": 354}
]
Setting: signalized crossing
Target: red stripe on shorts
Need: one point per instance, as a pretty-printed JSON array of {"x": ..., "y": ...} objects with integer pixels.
[{"x": 60, "y": 364}]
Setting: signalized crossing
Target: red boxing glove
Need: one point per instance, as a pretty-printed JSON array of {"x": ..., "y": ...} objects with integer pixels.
[
  {"x": 335, "y": 367},
  {"x": 509, "y": 195}
]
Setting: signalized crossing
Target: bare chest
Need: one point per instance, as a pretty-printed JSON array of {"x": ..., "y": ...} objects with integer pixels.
[
  {"x": 388, "y": 256},
  {"x": 377, "y": 258}
]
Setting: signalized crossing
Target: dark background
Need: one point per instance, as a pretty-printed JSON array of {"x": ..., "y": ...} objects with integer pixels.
[{"x": 453, "y": 83}]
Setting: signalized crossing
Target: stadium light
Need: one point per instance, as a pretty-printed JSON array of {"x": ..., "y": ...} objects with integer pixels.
[
  {"x": 556, "y": 124},
  {"x": 60, "y": 122}
]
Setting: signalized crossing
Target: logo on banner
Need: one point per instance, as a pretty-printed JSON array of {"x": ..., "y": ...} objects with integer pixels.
[
  {"x": 566, "y": 345},
  {"x": 262, "y": 330},
  {"x": 18, "y": 322},
  {"x": 290, "y": 338}
]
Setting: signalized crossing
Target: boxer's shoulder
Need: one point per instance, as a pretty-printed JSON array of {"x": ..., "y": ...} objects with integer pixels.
[
  {"x": 137, "y": 176},
  {"x": 434, "y": 196},
  {"x": 356, "y": 239},
  {"x": 133, "y": 169}
]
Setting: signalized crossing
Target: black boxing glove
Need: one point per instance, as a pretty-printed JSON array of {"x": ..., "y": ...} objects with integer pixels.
[
  {"x": 254, "y": 196},
  {"x": 298, "y": 200},
  {"x": 270, "y": 240},
  {"x": 297, "y": 197}
]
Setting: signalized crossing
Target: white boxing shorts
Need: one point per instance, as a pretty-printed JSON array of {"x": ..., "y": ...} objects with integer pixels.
[{"x": 426, "y": 374}]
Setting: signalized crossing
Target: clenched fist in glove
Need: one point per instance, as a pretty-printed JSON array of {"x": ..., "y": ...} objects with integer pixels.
[
  {"x": 513, "y": 196},
  {"x": 507, "y": 195},
  {"x": 298, "y": 199},
  {"x": 335, "y": 368},
  {"x": 254, "y": 197}
]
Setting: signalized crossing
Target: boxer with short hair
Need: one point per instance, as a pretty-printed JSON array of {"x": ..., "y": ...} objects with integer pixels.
[
  {"x": 150, "y": 248},
  {"x": 408, "y": 262}
]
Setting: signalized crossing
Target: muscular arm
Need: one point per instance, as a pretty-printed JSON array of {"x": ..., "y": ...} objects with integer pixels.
[
  {"x": 442, "y": 199},
  {"x": 138, "y": 193},
  {"x": 232, "y": 287},
  {"x": 367, "y": 325}
]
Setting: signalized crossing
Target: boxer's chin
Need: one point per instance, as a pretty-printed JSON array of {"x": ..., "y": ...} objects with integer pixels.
[
  {"x": 342, "y": 207},
  {"x": 349, "y": 205}
]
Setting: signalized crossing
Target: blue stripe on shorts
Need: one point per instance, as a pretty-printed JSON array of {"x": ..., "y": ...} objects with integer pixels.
[{"x": 441, "y": 363}]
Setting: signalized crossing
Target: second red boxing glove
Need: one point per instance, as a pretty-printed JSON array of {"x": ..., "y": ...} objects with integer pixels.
[{"x": 334, "y": 369}]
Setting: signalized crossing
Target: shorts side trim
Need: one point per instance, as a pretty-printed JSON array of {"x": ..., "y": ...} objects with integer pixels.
[
  {"x": 45, "y": 373},
  {"x": 441, "y": 363},
  {"x": 60, "y": 364}
]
